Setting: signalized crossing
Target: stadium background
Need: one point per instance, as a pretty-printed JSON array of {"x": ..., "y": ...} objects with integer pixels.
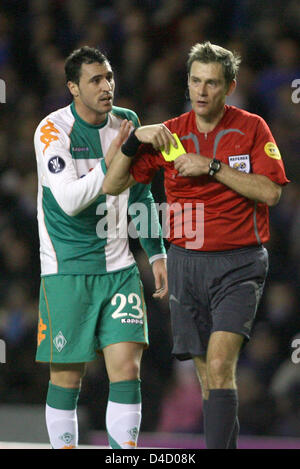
[{"x": 147, "y": 43}]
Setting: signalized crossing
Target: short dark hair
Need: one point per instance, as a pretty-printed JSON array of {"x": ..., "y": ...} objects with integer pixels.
[
  {"x": 206, "y": 52},
  {"x": 84, "y": 55}
]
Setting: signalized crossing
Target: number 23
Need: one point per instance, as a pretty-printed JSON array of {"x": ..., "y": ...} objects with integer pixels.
[{"x": 133, "y": 299}]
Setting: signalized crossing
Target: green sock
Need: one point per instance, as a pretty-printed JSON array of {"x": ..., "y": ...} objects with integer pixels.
[
  {"x": 62, "y": 398},
  {"x": 61, "y": 417}
]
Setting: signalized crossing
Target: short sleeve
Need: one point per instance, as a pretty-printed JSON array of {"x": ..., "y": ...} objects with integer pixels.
[{"x": 265, "y": 155}]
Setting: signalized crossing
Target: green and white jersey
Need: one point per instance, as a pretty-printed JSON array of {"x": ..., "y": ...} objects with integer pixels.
[{"x": 75, "y": 221}]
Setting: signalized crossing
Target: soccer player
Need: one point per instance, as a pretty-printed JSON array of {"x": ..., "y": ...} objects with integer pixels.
[
  {"x": 91, "y": 296},
  {"x": 231, "y": 170}
]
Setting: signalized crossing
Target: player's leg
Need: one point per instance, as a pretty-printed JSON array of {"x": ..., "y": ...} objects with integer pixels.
[
  {"x": 66, "y": 339},
  {"x": 61, "y": 405},
  {"x": 122, "y": 336},
  {"x": 222, "y": 407},
  {"x": 124, "y": 408}
]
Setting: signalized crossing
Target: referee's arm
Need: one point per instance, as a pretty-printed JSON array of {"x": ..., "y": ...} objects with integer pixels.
[{"x": 253, "y": 186}]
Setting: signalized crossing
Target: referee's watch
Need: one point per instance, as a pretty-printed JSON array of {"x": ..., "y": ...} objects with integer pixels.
[{"x": 214, "y": 167}]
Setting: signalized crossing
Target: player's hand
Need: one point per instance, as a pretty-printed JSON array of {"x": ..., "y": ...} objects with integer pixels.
[
  {"x": 124, "y": 131},
  {"x": 158, "y": 135},
  {"x": 192, "y": 164},
  {"x": 159, "y": 268}
]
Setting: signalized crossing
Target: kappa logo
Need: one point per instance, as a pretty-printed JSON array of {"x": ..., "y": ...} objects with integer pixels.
[
  {"x": 131, "y": 321},
  {"x": 47, "y": 134},
  {"x": 41, "y": 329},
  {"x": 59, "y": 341},
  {"x": 56, "y": 164},
  {"x": 80, "y": 149}
]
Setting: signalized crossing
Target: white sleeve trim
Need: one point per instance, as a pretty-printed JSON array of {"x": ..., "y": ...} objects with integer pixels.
[{"x": 156, "y": 257}]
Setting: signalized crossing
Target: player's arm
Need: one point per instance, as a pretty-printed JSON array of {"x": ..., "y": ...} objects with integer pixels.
[
  {"x": 142, "y": 209},
  {"x": 253, "y": 186},
  {"x": 58, "y": 173},
  {"x": 118, "y": 177}
]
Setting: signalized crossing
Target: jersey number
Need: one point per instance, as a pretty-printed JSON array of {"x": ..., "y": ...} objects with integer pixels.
[{"x": 120, "y": 300}]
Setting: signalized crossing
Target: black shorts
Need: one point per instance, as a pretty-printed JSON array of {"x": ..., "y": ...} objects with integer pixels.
[{"x": 213, "y": 291}]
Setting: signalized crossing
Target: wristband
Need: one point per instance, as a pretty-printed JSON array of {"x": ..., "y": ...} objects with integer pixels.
[{"x": 130, "y": 147}]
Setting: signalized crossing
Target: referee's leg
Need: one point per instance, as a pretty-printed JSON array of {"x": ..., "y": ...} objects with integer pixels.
[
  {"x": 217, "y": 374},
  {"x": 222, "y": 357}
]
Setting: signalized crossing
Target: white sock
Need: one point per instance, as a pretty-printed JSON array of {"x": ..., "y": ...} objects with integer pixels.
[
  {"x": 123, "y": 424},
  {"x": 62, "y": 428}
]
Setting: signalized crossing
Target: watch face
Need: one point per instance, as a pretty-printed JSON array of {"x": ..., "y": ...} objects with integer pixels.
[{"x": 215, "y": 165}]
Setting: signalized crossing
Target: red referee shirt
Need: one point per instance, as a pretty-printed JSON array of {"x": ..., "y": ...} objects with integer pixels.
[{"x": 243, "y": 141}]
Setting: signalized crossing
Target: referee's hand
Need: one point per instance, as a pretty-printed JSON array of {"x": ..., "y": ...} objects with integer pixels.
[
  {"x": 192, "y": 164},
  {"x": 158, "y": 134}
]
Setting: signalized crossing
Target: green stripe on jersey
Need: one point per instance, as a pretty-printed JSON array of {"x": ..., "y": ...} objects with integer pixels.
[
  {"x": 84, "y": 139},
  {"x": 77, "y": 247},
  {"x": 79, "y": 244},
  {"x": 124, "y": 113}
]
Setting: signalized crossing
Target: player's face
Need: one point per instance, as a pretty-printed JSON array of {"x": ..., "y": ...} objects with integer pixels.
[
  {"x": 96, "y": 88},
  {"x": 208, "y": 89}
]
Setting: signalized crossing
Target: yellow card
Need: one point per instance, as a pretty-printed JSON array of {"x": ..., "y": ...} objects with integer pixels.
[{"x": 174, "y": 152}]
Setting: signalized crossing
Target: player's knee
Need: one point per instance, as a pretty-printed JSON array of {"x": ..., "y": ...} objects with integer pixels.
[
  {"x": 127, "y": 371},
  {"x": 67, "y": 378},
  {"x": 132, "y": 370},
  {"x": 220, "y": 373}
]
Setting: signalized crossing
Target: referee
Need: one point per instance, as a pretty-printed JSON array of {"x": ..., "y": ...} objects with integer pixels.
[{"x": 232, "y": 168}]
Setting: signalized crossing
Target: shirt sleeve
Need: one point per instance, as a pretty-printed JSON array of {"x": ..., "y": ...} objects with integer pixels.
[
  {"x": 265, "y": 155},
  {"x": 142, "y": 210},
  {"x": 57, "y": 171},
  {"x": 146, "y": 163}
]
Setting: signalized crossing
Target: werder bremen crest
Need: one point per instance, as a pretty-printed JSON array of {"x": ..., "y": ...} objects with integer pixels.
[
  {"x": 59, "y": 341},
  {"x": 66, "y": 438},
  {"x": 133, "y": 432}
]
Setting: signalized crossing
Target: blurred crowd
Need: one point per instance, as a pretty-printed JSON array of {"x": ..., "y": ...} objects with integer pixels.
[{"x": 147, "y": 43}]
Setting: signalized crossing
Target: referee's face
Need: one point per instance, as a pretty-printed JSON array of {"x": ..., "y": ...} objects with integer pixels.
[
  {"x": 208, "y": 89},
  {"x": 95, "y": 91}
]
